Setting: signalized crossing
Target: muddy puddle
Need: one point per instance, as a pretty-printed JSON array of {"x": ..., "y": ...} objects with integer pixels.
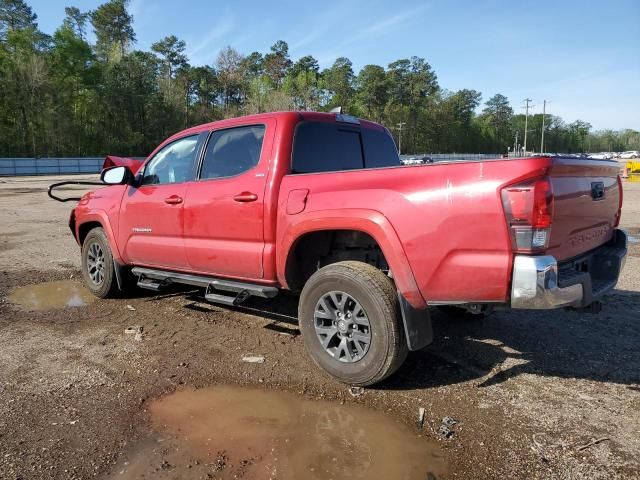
[
  {"x": 232, "y": 432},
  {"x": 51, "y": 295}
]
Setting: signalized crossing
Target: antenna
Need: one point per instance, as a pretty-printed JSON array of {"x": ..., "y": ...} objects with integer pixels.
[{"x": 337, "y": 110}]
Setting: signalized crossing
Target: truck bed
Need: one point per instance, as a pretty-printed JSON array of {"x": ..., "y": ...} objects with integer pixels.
[{"x": 451, "y": 221}]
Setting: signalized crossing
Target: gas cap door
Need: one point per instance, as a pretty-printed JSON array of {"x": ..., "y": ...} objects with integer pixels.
[{"x": 297, "y": 201}]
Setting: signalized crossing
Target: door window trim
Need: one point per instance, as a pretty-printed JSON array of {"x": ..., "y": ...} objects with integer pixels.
[
  {"x": 203, "y": 153},
  {"x": 196, "y": 156}
]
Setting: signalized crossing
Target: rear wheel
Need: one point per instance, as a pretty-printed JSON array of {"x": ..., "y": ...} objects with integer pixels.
[
  {"x": 351, "y": 323},
  {"x": 97, "y": 265}
]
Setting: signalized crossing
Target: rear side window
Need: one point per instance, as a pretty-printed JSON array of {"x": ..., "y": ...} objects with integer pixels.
[
  {"x": 379, "y": 149},
  {"x": 326, "y": 147},
  {"x": 331, "y": 147},
  {"x": 232, "y": 151}
]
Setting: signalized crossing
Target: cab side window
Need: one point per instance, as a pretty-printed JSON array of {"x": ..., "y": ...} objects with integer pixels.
[
  {"x": 232, "y": 151},
  {"x": 173, "y": 163}
]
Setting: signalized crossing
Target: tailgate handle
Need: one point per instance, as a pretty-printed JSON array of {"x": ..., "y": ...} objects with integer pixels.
[{"x": 597, "y": 190}]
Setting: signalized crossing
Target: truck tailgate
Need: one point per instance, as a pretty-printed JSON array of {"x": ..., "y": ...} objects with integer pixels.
[{"x": 586, "y": 202}]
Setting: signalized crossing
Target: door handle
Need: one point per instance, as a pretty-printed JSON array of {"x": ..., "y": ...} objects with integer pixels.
[
  {"x": 173, "y": 200},
  {"x": 246, "y": 197}
]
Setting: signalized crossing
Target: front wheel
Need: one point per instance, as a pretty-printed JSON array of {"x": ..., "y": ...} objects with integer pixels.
[
  {"x": 97, "y": 265},
  {"x": 351, "y": 323}
]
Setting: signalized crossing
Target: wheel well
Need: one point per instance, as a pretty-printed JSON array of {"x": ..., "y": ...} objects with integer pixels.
[
  {"x": 315, "y": 250},
  {"x": 84, "y": 229}
]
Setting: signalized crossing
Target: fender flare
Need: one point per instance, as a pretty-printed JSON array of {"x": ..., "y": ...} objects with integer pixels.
[
  {"x": 101, "y": 217},
  {"x": 368, "y": 221}
]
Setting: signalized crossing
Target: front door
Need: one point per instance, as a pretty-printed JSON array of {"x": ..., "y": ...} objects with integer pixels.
[
  {"x": 151, "y": 213},
  {"x": 224, "y": 206}
]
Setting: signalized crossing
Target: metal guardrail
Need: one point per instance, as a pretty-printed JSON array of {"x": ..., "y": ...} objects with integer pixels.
[
  {"x": 79, "y": 165},
  {"x": 439, "y": 157},
  {"x": 50, "y": 166}
]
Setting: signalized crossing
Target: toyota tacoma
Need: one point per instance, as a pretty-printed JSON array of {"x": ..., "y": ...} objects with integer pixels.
[{"x": 320, "y": 204}]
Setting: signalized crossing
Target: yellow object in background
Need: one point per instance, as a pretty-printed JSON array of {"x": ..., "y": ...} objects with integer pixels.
[{"x": 633, "y": 167}]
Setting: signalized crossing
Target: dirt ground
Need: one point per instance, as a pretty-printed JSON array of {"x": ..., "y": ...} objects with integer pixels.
[{"x": 536, "y": 394}]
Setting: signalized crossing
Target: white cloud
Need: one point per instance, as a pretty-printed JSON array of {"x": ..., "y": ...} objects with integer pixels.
[
  {"x": 373, "y": 30},
  {"x": 202, "y": 52}
]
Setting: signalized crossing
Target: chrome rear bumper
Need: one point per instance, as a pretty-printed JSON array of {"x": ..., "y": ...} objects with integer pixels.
[{"x": 540, "y": 283}]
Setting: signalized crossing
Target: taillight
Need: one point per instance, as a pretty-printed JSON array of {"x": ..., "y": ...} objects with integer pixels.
[
  {"x": 528, "y": 207},
  {"x": 619, "y": 214}
]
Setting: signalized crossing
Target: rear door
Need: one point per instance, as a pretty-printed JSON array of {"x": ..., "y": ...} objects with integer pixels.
[
  {"x": 586, "y": 201},
  {"x": 151, "y": 214},
  {"x": 224, "y": 206}
]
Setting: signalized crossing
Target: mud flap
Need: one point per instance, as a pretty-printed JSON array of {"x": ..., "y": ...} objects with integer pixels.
[
  {"x": 120, "y": 274},
  {"x": 417, "y": 325}
]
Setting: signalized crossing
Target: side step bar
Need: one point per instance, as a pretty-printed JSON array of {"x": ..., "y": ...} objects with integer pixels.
[{"x": 155, "y": 279}]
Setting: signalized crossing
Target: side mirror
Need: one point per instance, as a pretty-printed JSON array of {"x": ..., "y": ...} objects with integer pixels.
[{"x": 117, "y": 176}]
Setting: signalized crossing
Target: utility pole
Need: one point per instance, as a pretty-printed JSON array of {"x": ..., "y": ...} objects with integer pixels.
[
  {"x": 526, "y": 122},
  {"x": 544, "y": 108},
  {"x": 399, "y": 128},
  {"x": 515, "y": 145}
]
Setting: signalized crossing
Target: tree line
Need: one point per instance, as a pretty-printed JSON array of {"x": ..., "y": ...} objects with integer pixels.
[{"x": 64, "y": 95}]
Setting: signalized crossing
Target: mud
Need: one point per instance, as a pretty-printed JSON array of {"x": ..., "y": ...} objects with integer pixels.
[
  {"x": 259, "y": 434},
  {"x": 52, "y": 295}
]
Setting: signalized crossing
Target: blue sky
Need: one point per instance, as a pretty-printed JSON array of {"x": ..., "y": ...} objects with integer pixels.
[{"x": 583, "y": 55}]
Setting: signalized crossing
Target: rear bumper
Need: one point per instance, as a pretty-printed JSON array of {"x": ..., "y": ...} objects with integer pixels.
[{"x": 540, "y": 282}]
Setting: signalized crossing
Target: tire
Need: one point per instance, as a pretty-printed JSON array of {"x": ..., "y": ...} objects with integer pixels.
[
  {"x": 342, "y": 287},
  {"x": 97, "y": 265}
]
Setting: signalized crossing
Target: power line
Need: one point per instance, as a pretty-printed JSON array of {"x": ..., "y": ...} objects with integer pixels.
[
  {"x": 399, "y": 128},
  {"x": 544, "y": 109},
  {"x": 526, "y": 121}
]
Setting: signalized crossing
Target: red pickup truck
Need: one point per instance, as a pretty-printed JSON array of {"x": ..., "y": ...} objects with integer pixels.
[{"x": 320, "y": 204}]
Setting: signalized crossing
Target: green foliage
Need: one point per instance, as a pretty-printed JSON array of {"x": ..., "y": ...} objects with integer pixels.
[
  {"x": 372, "y": 92},
  {"x": 495, "y": 123},
  {"x": 171, "y": 50},
  {"x": 338, "y": 83},
  {"x": 63, "y": 96},
  {"x": 76, "y": 21},
  {"x": 15, "y": 15},
  {"x": 113, "y": 27}
]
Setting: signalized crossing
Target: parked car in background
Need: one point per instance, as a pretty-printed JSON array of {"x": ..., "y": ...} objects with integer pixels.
[
  {"x": 319, "y": 204},
  {"x": 417, "y": 160},
  {"x": 629, "y": 155},
  {"x": 601, "y": 156}
]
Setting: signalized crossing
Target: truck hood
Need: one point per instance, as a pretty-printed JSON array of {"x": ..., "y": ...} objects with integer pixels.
[{"x": 131, "y": 163}]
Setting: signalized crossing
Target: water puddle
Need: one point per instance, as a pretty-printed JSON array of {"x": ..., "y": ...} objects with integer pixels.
[
  {"x": 51, "y": 295},
  {"x": 232, "y": 432}
]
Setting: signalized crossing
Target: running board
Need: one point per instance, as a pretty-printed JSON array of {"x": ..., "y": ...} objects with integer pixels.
[
  {"x": 149, "y": 284},
  {"x": 154, "y": 279}
]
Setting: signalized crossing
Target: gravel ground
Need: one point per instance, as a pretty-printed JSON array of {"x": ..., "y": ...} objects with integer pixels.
[{"x": 538, "y": 394}]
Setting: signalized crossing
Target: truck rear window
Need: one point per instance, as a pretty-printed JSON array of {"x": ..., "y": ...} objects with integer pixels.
[{"x": 331, "y": 147}]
